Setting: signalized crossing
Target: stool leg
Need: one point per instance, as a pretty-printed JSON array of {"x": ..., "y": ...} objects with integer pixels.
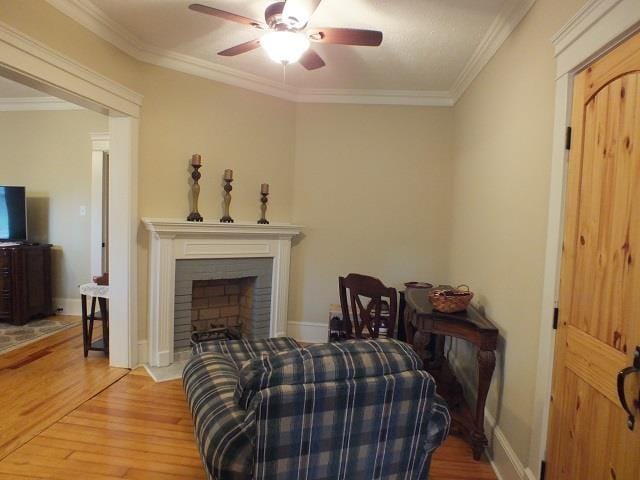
[
  {"x": 85, "y": 333},
  {"x": 104, "y": 312},
  {"x": 91, "y": 319}
]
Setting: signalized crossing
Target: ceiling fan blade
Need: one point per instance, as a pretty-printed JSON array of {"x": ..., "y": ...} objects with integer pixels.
[
  {"x": 300, "y": 10},
  {"x": 242, "y": 48},
  {"x": 197, "y": 7},
  {"x": 346, "y": 36},
  {"x": 311, "y": 60}
]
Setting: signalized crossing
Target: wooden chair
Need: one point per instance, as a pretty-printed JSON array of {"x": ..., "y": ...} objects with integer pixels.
[{"x": 378, "y": 312}]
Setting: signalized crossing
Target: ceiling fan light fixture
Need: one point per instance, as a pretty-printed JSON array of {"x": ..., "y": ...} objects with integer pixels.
[{"x": 285, "y": 46}]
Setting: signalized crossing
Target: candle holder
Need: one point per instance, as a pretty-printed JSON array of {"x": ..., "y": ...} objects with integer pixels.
[
  {"x": 263, "y": 208},
  {"x": 195, "y": 216},
  {"x": 226, "y": 218}
]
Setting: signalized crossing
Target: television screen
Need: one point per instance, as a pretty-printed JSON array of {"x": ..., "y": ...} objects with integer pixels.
[{"x": 13, "y": 215}]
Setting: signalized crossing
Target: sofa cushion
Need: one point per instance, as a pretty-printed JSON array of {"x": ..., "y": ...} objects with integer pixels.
[
  {"x": 325, "y": 363},
  {"x": 241, "y": 351}
]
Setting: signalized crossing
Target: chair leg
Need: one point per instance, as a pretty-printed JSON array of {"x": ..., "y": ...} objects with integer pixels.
[
  {"x": 104, "y": 313},
  {"x": 85, "y": 333}
]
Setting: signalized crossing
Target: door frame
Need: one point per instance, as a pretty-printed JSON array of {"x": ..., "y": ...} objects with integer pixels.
[
  {"x": 33, "y": 63},
  {"x": 99, "y": 149},
  {"x": 596, "y": 29}
]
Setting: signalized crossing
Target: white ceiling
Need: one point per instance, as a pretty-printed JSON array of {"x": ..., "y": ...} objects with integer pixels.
[{"x": 431, "y": 49}]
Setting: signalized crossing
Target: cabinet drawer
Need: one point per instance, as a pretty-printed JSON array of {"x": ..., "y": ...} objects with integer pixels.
[
  {"x": 5, "y": 303},
  {"x": 5, "y": 259}
]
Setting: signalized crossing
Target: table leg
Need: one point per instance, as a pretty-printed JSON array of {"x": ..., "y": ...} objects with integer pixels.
[
  {"x": 408, "y": 327},
  {"x": 85, "y": 336},
  {"x": 486, "y": 366},
  {"x": 104, "y": 313},
  {"x": 92, "y": 318}
]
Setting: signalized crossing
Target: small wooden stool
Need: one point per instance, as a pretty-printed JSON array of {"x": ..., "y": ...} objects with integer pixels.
[{"x": 101, "y": 292}]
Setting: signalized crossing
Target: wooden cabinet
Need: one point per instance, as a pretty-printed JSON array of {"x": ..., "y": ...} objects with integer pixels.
[{"x": 25, "y": 283}]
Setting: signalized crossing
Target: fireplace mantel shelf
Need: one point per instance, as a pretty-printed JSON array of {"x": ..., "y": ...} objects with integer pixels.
[{"x": 175, "y": 227}]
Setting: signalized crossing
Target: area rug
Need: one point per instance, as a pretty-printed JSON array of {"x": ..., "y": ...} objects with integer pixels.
[{"x": 15, "y": 336}]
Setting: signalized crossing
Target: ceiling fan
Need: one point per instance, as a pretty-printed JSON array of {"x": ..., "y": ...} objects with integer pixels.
[{"x": 287, "y": 38}]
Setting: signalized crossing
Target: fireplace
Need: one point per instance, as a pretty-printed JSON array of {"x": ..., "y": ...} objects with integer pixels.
[
  {"x": 181, "y": 253},
  {"x": 222, "y": 303},
  {"x": 226, "y": 292}
]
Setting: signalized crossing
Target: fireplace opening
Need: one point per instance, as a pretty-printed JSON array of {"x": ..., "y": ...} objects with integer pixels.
[
  {"x": 222, "y": 292},
  {"x": 223, "y": 303}
]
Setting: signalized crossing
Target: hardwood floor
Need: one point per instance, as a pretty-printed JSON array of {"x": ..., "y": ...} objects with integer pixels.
[
  {"x": 126, "y": 432},
  {"x": 45, "y": 380},
  {"x": 454, "y": 461}
]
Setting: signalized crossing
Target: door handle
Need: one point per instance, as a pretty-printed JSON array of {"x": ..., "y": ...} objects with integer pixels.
[{"x": 622, "y": 375}]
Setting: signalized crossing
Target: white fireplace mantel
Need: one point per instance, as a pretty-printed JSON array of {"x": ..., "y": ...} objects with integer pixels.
[{"x": 171, "y": 240}]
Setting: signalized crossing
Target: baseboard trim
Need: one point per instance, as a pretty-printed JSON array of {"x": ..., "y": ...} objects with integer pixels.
[
  {"x": 69, "y": 306},
  {"x": 143, "y": 353},
  {"x": 308, "y": 331},
  {"x": 504, "y": 460}
]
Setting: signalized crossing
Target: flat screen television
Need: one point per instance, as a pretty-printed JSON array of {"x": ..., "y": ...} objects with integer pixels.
[{"x": 13, "y": 214}]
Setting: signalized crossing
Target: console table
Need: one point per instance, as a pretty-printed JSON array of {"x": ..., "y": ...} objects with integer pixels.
[{"x": 422, "y": 321}]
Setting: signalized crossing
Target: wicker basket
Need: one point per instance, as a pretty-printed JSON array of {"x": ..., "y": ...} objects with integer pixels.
[{"x": 451, "y": 300}]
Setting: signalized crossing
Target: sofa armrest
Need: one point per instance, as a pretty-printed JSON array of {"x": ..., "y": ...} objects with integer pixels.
[
  {"x": 439, "y": 424},
  {"x": 224, "y": 434}
]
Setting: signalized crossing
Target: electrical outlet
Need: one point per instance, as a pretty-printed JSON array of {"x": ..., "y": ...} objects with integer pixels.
[
  {"x": 59, "y": 309},
  {"x": 83, "y": 210}
]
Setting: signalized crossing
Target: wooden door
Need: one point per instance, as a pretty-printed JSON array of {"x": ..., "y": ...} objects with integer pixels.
[{"x": 599, "y": 325}]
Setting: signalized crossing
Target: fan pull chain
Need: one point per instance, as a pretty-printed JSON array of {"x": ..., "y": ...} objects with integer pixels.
[{"x": 284, "y": 73}]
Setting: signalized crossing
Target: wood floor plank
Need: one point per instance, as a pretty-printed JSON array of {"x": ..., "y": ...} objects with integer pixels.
[{"x": 45, "y": 380}]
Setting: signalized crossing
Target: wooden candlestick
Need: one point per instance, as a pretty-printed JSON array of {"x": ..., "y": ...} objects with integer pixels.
[
  {"x": 263, "y": 207},
  {"x": 196, "y": 163},
  {"x": 226, "y": 218}
]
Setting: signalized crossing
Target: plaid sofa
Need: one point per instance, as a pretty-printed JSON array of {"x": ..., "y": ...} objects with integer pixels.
[{"x": 269, "y": 409}]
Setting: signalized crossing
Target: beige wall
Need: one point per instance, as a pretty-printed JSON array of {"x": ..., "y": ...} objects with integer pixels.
[
  {"x": 252, "y": 134},
  {"x": 50, "y": 153},
  {"x": 372, "y": 189},
  {"x": 502, "y": 153}
]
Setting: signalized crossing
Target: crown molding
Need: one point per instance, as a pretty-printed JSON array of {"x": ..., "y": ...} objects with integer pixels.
[
  {"x": 512, "y": 12},
  {"x": 588, "y": 15},
  {"x": 375, "y": 97},
  {"x": 95, "y": 20},
  {"x": 33, "y": 104},
  {"x": 64, "y": 76}
]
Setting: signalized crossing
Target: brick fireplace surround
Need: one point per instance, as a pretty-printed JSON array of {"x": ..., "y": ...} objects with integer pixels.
[
  {"x": 223, "y": 292},
  {"x": 172, "y": 241}
]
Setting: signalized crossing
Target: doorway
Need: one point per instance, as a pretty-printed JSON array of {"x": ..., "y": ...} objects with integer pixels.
[
  {"x": 594, "y": 406},
  {"x": 25, "y": 60},
  {"x": 99, "y": 204}
]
